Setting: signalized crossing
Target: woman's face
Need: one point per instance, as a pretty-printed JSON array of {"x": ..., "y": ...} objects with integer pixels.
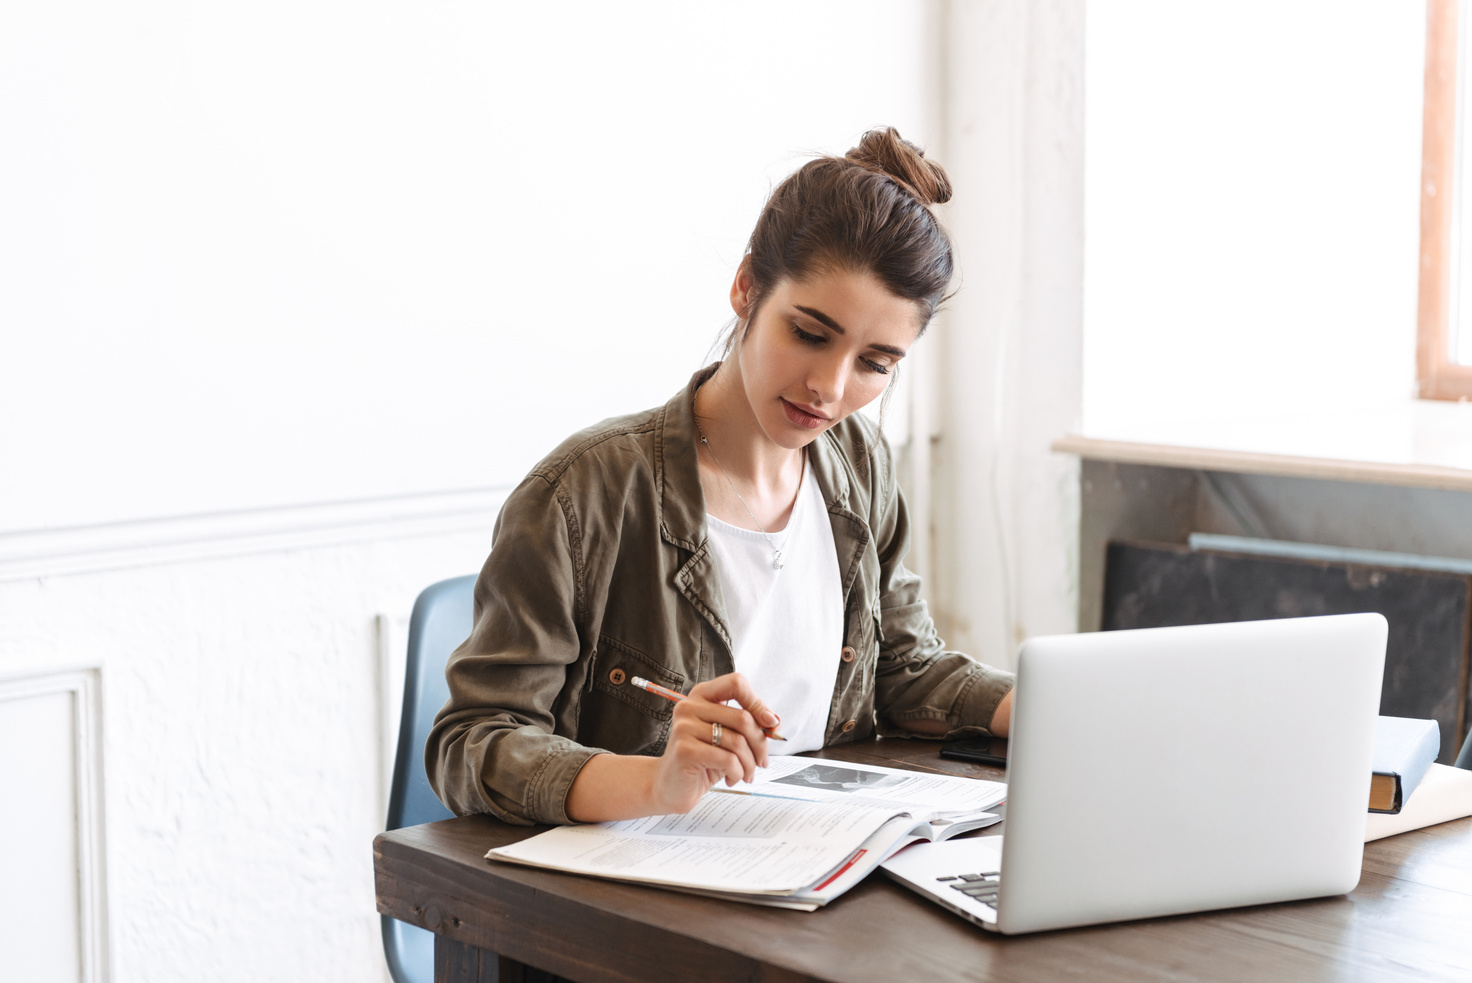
[{"x": 819, "y": 349}]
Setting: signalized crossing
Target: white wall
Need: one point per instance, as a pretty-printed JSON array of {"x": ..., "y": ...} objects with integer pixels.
[
  {"x": 256, "y": 254},
  {"x": 281, "y": 278},
  {"x": 1252, "y": 209}
]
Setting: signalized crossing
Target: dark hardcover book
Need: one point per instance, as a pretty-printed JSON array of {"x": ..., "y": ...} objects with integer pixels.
[{"x": 1404, "y": 749}]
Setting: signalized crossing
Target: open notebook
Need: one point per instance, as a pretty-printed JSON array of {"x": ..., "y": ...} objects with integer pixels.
[{"x": 804, "y": 832}]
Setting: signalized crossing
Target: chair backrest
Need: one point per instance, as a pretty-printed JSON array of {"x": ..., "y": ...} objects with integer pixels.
[{"x": 440, "y": 622}]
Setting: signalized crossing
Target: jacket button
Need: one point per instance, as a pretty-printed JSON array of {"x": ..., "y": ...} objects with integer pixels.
[
  {"x": 616, "y": 677},
  {"x": 850, "y": 725},
  {"x": 848, "y": 653}
]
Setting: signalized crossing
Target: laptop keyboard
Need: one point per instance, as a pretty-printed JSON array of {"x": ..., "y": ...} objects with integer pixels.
[{"x": 983, "y": 886}]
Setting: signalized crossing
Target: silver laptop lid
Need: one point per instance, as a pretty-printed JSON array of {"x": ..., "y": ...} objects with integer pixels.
[{"x": 1167, "y": 770}]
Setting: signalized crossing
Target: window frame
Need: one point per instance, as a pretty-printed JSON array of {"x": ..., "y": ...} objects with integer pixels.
[{"x": 1438, "y": 374}]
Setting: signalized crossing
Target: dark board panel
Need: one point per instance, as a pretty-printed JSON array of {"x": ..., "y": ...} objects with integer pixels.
[{"x": 1148, "y": 585}]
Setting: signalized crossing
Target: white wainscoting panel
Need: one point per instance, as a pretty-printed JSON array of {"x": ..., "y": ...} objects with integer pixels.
[
  {"x": 53, "y": 910},
  {"x": 250, "y": 727}
]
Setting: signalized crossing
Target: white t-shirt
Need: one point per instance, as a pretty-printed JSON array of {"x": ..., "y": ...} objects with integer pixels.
[{"x": 786, "y": 625}]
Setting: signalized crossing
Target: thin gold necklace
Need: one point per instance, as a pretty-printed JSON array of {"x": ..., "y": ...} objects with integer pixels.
[{"x": 776, "y": 550}]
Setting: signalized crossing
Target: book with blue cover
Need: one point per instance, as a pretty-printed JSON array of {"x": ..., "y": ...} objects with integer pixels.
[{"x": 1404, "y": 749}]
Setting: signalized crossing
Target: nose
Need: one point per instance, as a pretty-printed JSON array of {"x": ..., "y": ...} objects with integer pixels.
[{"x": 825, "y": 379}]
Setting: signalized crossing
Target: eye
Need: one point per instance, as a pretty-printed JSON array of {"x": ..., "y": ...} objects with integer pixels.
[
  {"x": 874, "y": 366},
  {"x": 807, "y": 337}
]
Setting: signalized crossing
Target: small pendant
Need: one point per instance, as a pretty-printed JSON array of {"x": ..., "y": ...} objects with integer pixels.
[{"x": 777, "y": 559}]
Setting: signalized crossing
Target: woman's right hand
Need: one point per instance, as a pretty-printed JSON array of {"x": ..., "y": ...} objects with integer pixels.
[{"x": 692, "y": 763}]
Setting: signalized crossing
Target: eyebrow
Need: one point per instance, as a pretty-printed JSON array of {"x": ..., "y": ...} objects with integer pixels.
[{"x": 824, "y": 319}]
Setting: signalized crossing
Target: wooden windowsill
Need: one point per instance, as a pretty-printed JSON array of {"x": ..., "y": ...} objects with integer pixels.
[{"x": 1418, "y": 443}]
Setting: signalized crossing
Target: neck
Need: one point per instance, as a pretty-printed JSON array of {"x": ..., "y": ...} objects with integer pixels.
[{"x": 746, "y": 453}]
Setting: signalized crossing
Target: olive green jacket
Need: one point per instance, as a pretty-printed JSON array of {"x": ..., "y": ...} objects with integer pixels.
[{"x": 600, "y": 570}]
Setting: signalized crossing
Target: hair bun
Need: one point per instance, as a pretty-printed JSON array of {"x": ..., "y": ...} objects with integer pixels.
[{"x": 885, "y": 151}]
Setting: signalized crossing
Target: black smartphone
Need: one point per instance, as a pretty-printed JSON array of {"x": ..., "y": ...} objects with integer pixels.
[{"x": 987, "y": 750}]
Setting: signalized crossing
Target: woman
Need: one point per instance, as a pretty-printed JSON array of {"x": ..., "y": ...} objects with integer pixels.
[{"x": 747, "y": 538}]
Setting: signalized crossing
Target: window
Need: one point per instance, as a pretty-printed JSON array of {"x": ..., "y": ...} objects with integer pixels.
[{"x": 1444, "y": 345}]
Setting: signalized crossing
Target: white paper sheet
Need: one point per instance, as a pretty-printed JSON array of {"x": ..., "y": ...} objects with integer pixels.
[{"x": 925, "y": 796}]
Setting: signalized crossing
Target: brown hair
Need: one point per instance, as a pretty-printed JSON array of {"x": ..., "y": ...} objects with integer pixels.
[{"x": 866, "y": 211}]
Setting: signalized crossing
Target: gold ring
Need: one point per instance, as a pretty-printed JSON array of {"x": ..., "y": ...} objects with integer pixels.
[{"x": 715, "y": 734}]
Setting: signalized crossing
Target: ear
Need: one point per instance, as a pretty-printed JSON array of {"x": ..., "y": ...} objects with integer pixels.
[{"x": 742, "y": 288}]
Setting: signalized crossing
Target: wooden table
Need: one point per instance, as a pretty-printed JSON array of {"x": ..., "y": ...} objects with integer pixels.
[{"x": 1409, "y": 919}]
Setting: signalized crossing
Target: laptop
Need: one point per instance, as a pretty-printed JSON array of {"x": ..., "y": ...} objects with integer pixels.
[{"x": 1160, "y": 771}]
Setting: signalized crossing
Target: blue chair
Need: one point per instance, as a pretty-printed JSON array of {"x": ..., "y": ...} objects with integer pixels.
[
  {"x": 1464, "y": 758},
  {"x": 441, "y": 621}
]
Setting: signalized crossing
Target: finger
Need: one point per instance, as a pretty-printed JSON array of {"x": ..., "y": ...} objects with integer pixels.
[
  {"x": 707, "y": 701},
  {"x": 735, "y": 754},
  {"x": 732, "y": 770},
  {"x": 696, "y": 707},
  {"x": 734, "y": 686},
  {"x": 735, "y": 720},
  {"x": 713, "y": 763}
]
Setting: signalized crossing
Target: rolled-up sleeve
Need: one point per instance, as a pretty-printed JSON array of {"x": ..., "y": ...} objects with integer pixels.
[
  {"x": 493, "y": 747},
  {"x": 917, "y": 677}
]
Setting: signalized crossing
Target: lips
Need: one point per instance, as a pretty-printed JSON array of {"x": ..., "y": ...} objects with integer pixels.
[{"x": 803, "y": 418}]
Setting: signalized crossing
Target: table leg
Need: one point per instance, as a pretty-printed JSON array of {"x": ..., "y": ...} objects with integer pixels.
[{"x": 460, "y": 962}]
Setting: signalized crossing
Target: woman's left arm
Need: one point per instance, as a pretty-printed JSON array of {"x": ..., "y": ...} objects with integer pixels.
[
  {"x": 1000, "y": 726},
  {"x": 920, "y": 686}
]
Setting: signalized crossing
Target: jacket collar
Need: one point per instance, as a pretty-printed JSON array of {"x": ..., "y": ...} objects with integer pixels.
[
  {"x": 681, "y": 500},
  {"x": 682, "y": 507},
  {"x": 677, "y": 469}
]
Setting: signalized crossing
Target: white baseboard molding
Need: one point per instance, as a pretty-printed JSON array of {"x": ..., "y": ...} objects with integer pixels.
[{"x": 182, "y": 539}]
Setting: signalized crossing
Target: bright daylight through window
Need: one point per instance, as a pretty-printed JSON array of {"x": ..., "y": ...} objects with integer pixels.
[{"x": 1444, "y": 335}]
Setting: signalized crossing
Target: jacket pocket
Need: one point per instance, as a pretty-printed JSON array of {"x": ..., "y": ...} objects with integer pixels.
[{"x": 619, "y": 716}]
